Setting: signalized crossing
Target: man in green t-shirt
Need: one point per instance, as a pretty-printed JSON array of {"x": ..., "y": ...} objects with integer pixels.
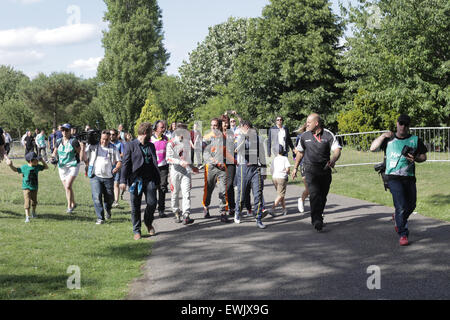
[
  {"x": 30, "y": 181},
  {"x": 402, "y": 150}
]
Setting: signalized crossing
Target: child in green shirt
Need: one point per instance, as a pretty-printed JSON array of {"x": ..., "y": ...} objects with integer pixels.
[{"x": 30, "y": 181}]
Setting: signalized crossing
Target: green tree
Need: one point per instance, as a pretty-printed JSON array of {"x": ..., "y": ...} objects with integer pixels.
[
  {"x": 16, "y": 116},
  {"x": 399, "y": 53},
  {"x": 289, "y": 66},
  {"x": 214, "y": 107},
  {"x": 169, "y": 95},
  {"x": 212, "y": 63},
  {"x": 11, "y": 82},
  {"x": 150, "y": 112},
  {"x": 363, "y": 115},
  {"x": 51, "y": 98},
  {"x": 14, "y": 113},
  {"x": 134, "y": 57}
]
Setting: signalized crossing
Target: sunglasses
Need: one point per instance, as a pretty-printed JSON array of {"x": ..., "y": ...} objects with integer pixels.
[
  {"x": 403, "y": 123},
  {"x": 279, "y": 119}
]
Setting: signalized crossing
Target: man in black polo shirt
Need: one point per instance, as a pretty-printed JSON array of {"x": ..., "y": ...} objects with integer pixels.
[{"x": 316, "y": 145}]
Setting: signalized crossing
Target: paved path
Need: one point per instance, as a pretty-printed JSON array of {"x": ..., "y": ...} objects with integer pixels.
[{"x": 289, "y": 260}]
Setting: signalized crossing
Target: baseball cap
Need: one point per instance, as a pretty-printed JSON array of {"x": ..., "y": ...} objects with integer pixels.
[
  {"x": 405, "y": 119},
  {"x": 31, "y": 156},
  {"x": 66, "y": 126}
]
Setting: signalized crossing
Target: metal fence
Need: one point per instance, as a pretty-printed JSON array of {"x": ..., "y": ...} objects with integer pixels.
[
  {"x": 17, "y": 150},
  {"x": 356, "y": 146}
]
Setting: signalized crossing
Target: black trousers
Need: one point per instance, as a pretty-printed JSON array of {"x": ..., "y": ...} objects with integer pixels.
[
  {"x": 318, "y": 181},
  {"x": 162, "y": 189}
]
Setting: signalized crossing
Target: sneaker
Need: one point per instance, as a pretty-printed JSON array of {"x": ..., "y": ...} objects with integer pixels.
[
  {"x": 404, "y": 241},
  {"x": 162, "y": 214},
  {"x": 33, "y": 215},
  {"x": 115, "y": 204},
  {"x": 285, "y": 212},
  {"x": 99, "y": 221},
  {"x": 301, "y": 205},
  {"x": 177, "y": 216},
  {"x": 224, "y": 218},
  {"x": 137, "y": 236},
  {"x": 108, "y": 216},
  {"x": 151, "y": 231},
  {"x": 27, "y": 219},
  {"x": 260, "y": 225},
  {"x": 187, "y": 220},
  {"x": 265, "y": 212},
  {"x": 237, "y": 218},
  {"x": 69, "y": 210},
  {"x": 206, "y": 214},
  {"x": 318, "y": 225}
]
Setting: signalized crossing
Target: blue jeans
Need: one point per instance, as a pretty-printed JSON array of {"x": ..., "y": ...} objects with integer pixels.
[
  {"x": 149, "y": 189},
  {"x": 102, "y": 193},
  {"x": 404, "y": 194},
  {"x": 249, "y": 178}
]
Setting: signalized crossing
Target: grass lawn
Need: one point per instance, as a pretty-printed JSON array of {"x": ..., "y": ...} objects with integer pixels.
[
  {"x": 433, "y": 187},
  {"x": 35, "y": 256}
]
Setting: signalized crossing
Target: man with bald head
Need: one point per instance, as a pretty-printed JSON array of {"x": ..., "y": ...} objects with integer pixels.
[{"x": 315, "y": 146}]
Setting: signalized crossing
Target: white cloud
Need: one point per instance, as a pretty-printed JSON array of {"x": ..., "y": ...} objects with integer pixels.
[
  {"x": 90, "y": 64},
  {"x": 28, "y": 37},
  {"x": 20, "y": 57}
]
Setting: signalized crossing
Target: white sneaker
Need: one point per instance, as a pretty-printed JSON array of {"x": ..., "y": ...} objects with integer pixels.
[
  {"x": 285, "y": 212},
  {"x": 237, "y": 218},
  {"x": 301, "y": 206},
  {"x": 99, "y": 221},
  {"x": 27, "y": 219}
]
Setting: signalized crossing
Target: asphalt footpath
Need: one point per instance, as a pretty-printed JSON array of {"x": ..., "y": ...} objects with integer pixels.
[{"x": 356, "y": 256}]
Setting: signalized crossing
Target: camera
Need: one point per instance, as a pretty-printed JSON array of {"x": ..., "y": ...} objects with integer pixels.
[
  {"x": 91, "y": 137},
  {"x": 381, "y": 169},
  {"x": 410, "y": 150},
  {"x": 54, "y": 160}
]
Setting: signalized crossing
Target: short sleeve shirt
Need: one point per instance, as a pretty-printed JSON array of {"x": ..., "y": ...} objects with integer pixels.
[
  {"x": 30, "y": 176},
  {"x": 279, "y": 166},
  {"x": 317, "y": 148},
  {"x": 104, "y": 161}
]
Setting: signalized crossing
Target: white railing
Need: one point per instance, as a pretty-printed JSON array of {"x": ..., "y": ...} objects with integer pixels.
[{"x": 356, "y": 146}]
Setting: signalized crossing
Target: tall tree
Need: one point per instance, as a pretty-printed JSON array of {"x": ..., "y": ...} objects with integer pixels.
[
  {"x": 14, "y": 113},
  {"x": 399, "y": 54},
  {"x": 212, "y": 63},
  {"x": 134, "y": 57},
  {"x": 290, "y": 62},
  {"x": 51, "y": 98}
]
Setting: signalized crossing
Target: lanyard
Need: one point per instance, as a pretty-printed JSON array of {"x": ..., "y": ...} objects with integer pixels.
[{"x": 318, "y": 138}]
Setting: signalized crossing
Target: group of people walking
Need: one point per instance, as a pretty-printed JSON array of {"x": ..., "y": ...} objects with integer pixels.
[{"x": 234, "y": 161}]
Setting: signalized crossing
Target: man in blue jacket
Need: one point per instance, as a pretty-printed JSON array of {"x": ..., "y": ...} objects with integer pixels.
[
  {"x": 140, "y": 171},
  {"x": 279, "y": 136}
]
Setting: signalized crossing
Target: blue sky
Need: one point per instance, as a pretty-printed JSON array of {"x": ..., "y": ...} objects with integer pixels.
[{"x": 65, "y": 35}]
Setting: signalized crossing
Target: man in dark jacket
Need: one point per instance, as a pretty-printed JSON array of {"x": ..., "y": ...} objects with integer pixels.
[
  {"x": 140, "y": 172},
  {"x": 279, "y": 136}
]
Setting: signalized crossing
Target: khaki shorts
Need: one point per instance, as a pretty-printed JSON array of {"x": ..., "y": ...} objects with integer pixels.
[
  {"x": 280, "y": 186},
  {"x": 30, "y": 197}
]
